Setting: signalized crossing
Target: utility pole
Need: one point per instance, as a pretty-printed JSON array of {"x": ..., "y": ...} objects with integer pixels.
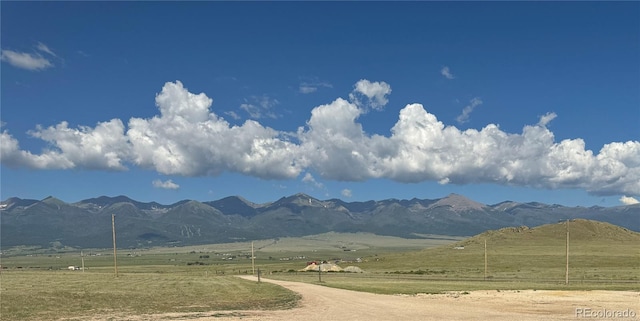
[
  {"x": 566, "y": 275},
  {"x": 82, "y": 256},
  {"x": 115, "y": 256},
  {"x": 485, "y": 259},
  {"x": 253, "y": 262}
]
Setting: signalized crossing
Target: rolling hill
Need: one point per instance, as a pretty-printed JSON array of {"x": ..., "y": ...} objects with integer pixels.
[
  {"x": 597, "y": 251},
  {"x": 580, "y": 231}
]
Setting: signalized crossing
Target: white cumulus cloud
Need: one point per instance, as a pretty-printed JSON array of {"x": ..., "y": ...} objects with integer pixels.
[
  {"x": 101, "y": 147},
  {"x": 186, "y": 138},
  {"x": 375, "y": 92},
  {"x": 12, "y": 156},
  {"x": 346, "y": 193},
  {"x": 335, "y": 145},
  {"x": 168, "y": 184},
  {"x": 547, "y": 118},
  {"x": 626, "y": 200}
]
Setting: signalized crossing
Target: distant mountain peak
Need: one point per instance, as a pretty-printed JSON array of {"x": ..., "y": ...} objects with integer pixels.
[
  {"x": 16, "y": 202},
  {"x": 52, "y": 200},
  {"x": 506, "y": 205},
  {"x": 458, "y": 203},
  {"x": 107, "y": 200},
  {"x": 235, "y": 205},
  {"x": 243, "y": 200},
  {"x": 298, "y": 199},
  {"x": 11, "y": 200},
  {"x": 303, "y": 195}
]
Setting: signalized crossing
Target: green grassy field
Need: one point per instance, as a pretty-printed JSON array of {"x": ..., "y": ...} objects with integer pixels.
[
  {"x": 73, "y": 295},
  {"x": 36, "y": 284}
]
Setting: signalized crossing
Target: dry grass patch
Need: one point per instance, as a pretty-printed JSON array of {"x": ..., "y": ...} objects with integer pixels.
[{"x": 62, "y": 295}]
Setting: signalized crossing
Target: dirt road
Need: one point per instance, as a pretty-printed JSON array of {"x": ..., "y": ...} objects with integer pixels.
[{"x": 323, "y": 303}]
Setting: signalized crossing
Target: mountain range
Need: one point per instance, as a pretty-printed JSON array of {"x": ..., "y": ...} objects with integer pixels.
[{"x": 87, "y": 224}]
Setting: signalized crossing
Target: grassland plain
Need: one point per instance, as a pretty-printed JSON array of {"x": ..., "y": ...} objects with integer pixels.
[
  {"x": 69, "y": 295},
  {"x": 37, "y": 285},
  {"x": 601, "y": 256},
  {"x": 197, "y": 279}
]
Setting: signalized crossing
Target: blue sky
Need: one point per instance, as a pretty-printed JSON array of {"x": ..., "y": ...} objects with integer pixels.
[{"x": 164, "y": 101}]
